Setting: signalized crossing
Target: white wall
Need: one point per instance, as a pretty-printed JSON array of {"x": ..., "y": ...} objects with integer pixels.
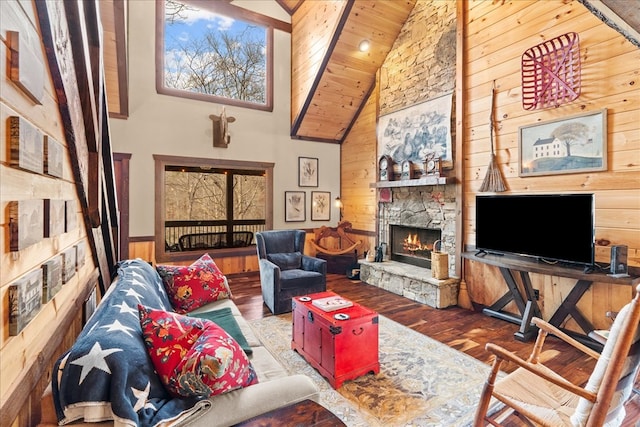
[{"x": 160, "y": 124}]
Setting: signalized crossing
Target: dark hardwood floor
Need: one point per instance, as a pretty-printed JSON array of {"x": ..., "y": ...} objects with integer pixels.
[{"x": 462, "y": 329}]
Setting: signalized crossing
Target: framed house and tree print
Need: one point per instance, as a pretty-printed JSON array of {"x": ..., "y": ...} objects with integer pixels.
[{"x": 568, "y": 145}]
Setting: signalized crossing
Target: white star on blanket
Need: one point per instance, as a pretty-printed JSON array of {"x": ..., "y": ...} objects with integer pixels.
[
  {"x": 138, "y": 280},
  {"x": 142, "y": 396},
  {"x": 135, "y": 282},
  {"x": 94, "y": 359},
  {"x": 117, "y": 326},
  {"x": 125, "y": 308},
  {"x": 131, "y": 293}
]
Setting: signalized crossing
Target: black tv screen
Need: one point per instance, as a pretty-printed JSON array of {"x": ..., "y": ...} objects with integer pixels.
[{"x": 550, "y": 227}]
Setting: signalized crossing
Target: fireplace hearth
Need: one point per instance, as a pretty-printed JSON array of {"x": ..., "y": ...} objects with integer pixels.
[{"x": 413, "y": 245}]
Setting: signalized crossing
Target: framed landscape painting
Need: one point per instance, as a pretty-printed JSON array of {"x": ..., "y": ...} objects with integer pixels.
[
  {"x": 26, "y": 145},
  {"x": 26, "y": 223},
  {"x": 25, "y": 300},
  {"x": 567, "y": 145},
  {"x": 68, "y": 264},
  {"x": 294, "y": 204},
  {"x": 415, "y": 132},
  {"x": 51, "y": 278}
]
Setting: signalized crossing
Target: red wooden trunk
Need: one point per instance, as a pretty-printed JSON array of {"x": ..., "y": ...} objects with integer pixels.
[{"x": 340, "y": 350}]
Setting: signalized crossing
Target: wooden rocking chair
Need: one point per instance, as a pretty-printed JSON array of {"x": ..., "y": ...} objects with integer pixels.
[{"x": 543, "y": 397}]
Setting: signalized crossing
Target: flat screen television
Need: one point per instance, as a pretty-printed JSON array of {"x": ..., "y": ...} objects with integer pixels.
[{"x": 549, "y": 227}]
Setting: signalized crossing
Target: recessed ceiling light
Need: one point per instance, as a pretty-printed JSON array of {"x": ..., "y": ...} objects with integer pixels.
[{"x": 364, "y": 45}]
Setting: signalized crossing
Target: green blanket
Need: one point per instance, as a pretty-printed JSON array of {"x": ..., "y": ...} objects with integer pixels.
[{"x": 224, "y": 318}]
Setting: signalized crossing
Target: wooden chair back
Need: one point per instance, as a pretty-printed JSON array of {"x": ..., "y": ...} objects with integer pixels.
[
  {"x": 615, "y": 372},
  {"x": 546, "y": 398}
]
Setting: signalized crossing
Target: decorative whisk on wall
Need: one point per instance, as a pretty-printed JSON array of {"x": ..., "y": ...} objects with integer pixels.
[{"x": 493, "y": 181}]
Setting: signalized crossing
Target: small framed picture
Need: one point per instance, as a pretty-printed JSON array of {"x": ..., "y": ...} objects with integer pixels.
[
  {"x": 320, "y": 206},
  {"x": 567, "y": 145},
  {"x": 307, "y": 172},
  {"x": 294, "y": 206}
]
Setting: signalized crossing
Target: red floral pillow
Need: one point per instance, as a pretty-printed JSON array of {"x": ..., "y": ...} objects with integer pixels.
[
  {"x": 194, "y": 357},
  {"x": 193, "y": 286}
]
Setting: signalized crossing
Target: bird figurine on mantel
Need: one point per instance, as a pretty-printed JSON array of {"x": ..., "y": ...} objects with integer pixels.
[{"x": 221, "y": 135}]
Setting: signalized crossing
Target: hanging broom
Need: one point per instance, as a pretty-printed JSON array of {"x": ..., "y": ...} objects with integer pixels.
[{"x": 493, "y": 180}]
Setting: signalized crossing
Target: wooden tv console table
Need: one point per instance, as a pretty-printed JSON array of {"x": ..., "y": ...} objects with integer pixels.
[{"x": 527, "y": 304}]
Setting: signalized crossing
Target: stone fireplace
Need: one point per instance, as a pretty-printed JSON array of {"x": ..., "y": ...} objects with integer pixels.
[
  {"x": 409, "y": 225},
  {"x": 429, "y": 210}
]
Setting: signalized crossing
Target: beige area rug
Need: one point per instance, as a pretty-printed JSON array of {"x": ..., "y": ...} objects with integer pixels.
[{"x": 422, "y": 382}]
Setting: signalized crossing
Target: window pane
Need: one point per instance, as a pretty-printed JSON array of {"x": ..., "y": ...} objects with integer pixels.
[
  {"x": 198, "y": 197},
  {"x": 195, "y": 196},
  {"x": 249, "y": 197},
  {"x": 212, "y": 54}
]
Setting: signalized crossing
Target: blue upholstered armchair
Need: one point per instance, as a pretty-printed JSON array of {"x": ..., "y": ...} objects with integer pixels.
[{"x": 285, "y": 272}]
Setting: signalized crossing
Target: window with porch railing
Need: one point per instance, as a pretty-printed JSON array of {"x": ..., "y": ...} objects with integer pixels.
[{"x": 211, "y": 204}]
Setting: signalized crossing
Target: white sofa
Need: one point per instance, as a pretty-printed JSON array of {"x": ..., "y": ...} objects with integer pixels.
[{"x": 276, "y": 387}]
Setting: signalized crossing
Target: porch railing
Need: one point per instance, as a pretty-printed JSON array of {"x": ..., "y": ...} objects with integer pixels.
[{"x": 173, "y": 230}]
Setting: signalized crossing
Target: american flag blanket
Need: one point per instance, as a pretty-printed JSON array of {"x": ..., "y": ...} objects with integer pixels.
[{"x": 107, "y": 374}]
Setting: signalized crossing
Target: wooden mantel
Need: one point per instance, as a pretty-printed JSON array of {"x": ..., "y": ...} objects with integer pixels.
[{"x": 426, "y": 180}]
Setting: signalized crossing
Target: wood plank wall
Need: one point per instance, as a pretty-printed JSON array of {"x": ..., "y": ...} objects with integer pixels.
[
  {"x": 25, "y": 359},
  {"x": 496, "y": 35},
  {"x": 249, "y": 263},
  {"x": 54, "y": 83},
  {"x": 609, "y": 80},
  {"x": 358, "y": 169},
  {"x": 145, "y": 249}
]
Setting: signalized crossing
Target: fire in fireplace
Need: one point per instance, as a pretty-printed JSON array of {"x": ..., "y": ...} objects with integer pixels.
[{"x": 413, "y": 245}]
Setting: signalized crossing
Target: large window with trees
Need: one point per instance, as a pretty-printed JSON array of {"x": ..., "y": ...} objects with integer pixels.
[
  {"x": 215, "y": 51},
  {"x": 210, "y": 205}
]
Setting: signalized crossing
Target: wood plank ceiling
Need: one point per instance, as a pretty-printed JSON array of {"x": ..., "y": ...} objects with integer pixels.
[
  {"x": 331, "y": 79},
  {"x": 113, "y": 15}
]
